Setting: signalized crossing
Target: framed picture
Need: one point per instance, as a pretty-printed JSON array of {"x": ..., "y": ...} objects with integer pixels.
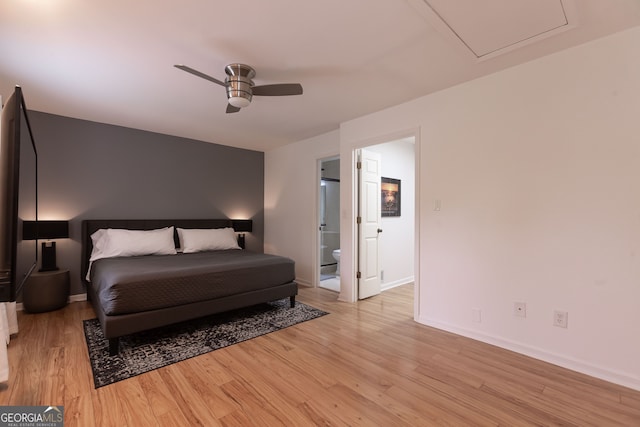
[{"x": 390, "y": 196}]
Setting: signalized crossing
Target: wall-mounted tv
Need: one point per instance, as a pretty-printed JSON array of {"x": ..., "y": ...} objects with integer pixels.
[{"x": 18, "y": 196}]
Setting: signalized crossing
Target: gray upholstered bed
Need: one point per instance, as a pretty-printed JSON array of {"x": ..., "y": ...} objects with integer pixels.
[{"x": 136, "y": 293}]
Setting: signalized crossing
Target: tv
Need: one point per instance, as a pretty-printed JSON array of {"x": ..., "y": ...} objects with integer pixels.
[{"x": 18, "y": 196}]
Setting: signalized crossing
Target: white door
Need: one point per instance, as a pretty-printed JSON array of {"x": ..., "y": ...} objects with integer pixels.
[{"x": 369, "y": 214}]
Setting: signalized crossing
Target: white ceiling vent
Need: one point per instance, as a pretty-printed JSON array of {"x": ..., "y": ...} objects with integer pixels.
[{"x": 490, "y": 27}]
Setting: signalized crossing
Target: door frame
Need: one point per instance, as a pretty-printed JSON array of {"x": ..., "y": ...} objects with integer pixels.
[{"x": 348, "y": 228}]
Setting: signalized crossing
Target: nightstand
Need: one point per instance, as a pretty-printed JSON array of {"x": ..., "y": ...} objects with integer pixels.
[{"x": 46, "y": 291}]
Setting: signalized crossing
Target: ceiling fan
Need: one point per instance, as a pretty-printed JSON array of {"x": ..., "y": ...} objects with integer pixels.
[{"x": 240, "y": 87}]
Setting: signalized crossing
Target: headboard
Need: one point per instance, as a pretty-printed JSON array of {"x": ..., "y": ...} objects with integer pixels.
[{"x": 90, "y": 226}]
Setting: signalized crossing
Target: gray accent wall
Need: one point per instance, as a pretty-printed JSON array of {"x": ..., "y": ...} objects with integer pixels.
[{"x": 90, "y": 170}]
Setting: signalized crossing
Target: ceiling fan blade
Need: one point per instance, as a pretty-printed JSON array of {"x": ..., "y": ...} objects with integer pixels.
[
  {"x": 199, "y": 74},
  {"x": 282, "y": 89},
  {"x": 232, "y": 109}
]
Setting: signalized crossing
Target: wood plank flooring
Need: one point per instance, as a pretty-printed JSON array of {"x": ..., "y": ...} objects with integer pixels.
[{"x": 364, "y": 364}]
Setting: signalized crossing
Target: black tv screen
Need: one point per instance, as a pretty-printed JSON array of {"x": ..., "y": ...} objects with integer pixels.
[{"x": 18, "y": 196}]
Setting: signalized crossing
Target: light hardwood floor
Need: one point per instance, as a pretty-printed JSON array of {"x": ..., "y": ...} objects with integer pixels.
[{"x": 364, "y": 364}]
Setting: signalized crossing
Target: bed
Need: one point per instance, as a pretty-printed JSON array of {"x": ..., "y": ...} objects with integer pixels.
[{"x": 136, "y": 291}]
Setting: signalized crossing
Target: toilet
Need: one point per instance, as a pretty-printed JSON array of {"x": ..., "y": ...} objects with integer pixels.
[{"x": 336, "y": 256}]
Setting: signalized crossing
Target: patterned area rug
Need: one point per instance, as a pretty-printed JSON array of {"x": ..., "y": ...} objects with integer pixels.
[{"x": 149, "y": 350}]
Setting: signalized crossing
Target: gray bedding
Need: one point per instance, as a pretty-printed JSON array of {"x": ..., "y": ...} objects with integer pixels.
[{"x": 135, "y": 284}]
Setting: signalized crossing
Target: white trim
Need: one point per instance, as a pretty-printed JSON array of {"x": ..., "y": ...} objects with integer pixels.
[
  {"x": 353, "y": 148},
  {"x": 78, "y": 298},
  {"x": 304, "y": 283},
  {"x": 316, "y": 267},
  {"x": 72, "y": 298},
  {"x": 396, "y": 283},
  {"x": 417, "y": 176},
  {"x": 577, "y": 365}
]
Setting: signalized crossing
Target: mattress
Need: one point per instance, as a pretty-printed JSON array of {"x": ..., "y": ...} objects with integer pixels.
[{"x": 134, "y": 284}]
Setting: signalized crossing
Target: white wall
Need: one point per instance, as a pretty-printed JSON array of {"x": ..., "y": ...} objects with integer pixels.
[
  {"x": 291, "y": 201},
  {"x": 537, "y": 170}
]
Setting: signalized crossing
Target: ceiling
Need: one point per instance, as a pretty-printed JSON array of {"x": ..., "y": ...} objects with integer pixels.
[{"x": 113, "y": 61}]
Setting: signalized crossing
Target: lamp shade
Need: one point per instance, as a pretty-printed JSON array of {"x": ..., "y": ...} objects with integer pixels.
[
  {"x": 242, "y": 225},
  {"x": 32, "y": 230}
]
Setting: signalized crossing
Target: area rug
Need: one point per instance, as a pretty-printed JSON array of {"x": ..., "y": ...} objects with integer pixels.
[{"x": 145, "y": 351}]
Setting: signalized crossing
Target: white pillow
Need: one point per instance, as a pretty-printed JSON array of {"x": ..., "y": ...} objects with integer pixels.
[
  {"x": 115, "y": 242},
  {"x": 208, "y": 239}
]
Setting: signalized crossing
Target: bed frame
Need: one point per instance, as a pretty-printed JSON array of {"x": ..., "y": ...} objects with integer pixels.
[{"x": 125, "y": 324}]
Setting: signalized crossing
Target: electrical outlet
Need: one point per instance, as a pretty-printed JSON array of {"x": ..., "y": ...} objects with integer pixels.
[
  {"x": 520, "y": 309},
  {"x": 560, "y": 319},
  {"x": 477, "y": 315}
]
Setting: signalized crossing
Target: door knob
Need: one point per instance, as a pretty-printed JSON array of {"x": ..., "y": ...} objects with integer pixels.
[{"x": 379, "y": 230}]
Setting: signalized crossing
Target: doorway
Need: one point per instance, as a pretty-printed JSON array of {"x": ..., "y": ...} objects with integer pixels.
[
  {"x": 396, "y": 241},
  {"x": 329, "y": 224}
]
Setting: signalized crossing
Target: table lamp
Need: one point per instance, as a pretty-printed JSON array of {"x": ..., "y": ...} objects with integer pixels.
[{"x": 46, "y": 230}]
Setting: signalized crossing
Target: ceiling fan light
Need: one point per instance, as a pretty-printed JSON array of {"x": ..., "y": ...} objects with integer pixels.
[{"x": 239, "y": 101}]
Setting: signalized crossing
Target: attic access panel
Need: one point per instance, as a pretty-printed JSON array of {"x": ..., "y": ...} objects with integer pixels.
[{"x": 489, "y": 27}]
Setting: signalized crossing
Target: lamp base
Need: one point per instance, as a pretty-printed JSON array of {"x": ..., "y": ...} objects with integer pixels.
[{"x": 49, "y": 256}]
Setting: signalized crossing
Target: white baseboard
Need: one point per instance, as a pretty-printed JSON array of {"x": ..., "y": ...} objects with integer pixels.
[
  {"x": 72, "y": 298},
  {"x": 581, "y": 366},
  {"x": 303, "y": 282},
  {"x": 396, "y": 283},
  {"x": 78, "y": 297}
]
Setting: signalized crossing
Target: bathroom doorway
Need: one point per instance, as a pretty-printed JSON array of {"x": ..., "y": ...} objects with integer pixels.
[{"x": 329, "y": 224}]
